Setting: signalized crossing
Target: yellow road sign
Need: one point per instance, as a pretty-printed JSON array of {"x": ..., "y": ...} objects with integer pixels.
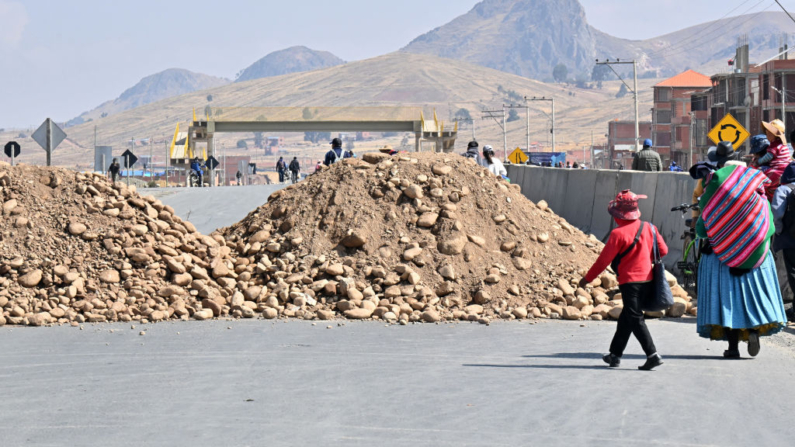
[
  {"x": 518, "y": 157},
  {"x": 728, "y": 129}
]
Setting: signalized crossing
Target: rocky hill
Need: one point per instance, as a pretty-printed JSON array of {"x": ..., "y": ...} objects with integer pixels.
[
  {"x": 166, "y": 84},
  {"x": 290, "y": 60},
  {"x": 530, "y": 37}
]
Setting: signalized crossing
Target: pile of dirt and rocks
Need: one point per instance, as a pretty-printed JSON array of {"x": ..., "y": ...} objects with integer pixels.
[
  {"x": 425, "y": 237},
  {"x": 403, "y": 239},
  {"x": 75, "y": 248}
]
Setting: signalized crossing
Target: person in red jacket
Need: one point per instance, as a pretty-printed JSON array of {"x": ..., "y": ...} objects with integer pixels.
[{"x": 629, "y": 252}]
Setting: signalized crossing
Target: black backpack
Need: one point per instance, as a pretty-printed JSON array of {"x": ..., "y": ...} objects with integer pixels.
[{"x": 789, "y": 213}]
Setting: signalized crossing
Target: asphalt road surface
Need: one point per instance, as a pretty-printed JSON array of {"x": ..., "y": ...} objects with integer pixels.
[
  {"x": 212, "y": 208},
  {"x": 266, "y": 383}
]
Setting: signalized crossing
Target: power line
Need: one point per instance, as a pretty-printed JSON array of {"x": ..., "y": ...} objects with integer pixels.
[
  {"x": 716, "y": 32},
  {"x": 785, "y": 10},
  {"x": 699, "y": 30}
]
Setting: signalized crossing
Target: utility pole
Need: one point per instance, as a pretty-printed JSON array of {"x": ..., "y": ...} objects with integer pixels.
[
  {"x": 692, "y": 138},
  {"x": 168, "y": 158},
  {"x": 527, "y": 114},
  {"x": 634, "y": 90},
  {"x": 151, "y": 159},
  {"x": 592, "y": 164},
  {"x": 496, "y": 115},
  {"x": 552, "y": 131}
]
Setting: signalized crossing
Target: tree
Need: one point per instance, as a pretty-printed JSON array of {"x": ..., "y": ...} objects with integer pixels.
[
  {"x": 349, "y": 144},
  {"x": 622, "y": 92},
  {"x": 463, "y": 114},
  {"x": 307, "y": 113},
  {"x": 600, "y": 73},
  {"x": 241, "y": 144},
  {"x": 209, "y": 98},
  {"x": 513, "y": 115},
  {"x": 314, "y": 137},
  {"x": 560, "y": 73},
  {"x": 258, "y": 139}
]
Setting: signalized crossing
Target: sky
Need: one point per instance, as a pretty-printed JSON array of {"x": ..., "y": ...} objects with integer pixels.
[{"x": 60, "y": 58}]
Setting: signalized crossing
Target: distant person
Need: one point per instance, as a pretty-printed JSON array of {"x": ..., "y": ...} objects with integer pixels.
[
  {"x": 783, "y": 207},
  {"x": 388, "y": 150},
  {"x": 646, "y": 159},
  {"x": 473, "y": 152},
  {"x": 196, "y": 167},
  {"x": 575, "y": 165},
  {"x": 778, "y": 156},
  {"x": 493, "y": 164},
  {"x": 113, "y": 170},
  {"x": 281, "y": 168},
  {"x": 239, "y": 178},
  {"x": 319, "y": 166},
  {"x": 629, "y": 252},
  {"x": 295, "y": 168},
  {"x": 674, "y": 167},
  {"x": 336, "y": 153}
]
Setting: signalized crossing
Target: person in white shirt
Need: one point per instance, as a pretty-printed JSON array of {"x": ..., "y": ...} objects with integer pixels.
[{"x": 492, "y": 163}]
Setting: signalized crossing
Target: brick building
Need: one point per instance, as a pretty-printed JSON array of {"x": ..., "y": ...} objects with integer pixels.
[
  {"x": 621, "y": 141},
  {"x": 676, "y": 121}
]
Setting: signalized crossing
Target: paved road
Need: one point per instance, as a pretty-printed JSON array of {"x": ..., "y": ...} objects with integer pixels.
[
  {"x": 212, "y": 208},
  {"x": 253, "y": 383}
]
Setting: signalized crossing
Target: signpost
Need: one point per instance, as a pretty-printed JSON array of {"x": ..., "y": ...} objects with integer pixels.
[
  {"x": 129, "y": 160},
  {"x": 518, "y": 157},
  {"x": 729, "y": 129},
  {"x": 49, "y": 136},
  {"x": 211, "y": 164},
  {"x": 12, "y": 150}
]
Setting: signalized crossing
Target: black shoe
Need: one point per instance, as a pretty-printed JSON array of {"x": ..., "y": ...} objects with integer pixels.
[
  {"x": 651, "y": 363},
  {"x": 753, "y": 344},
  {"x": 612, "y": 360},
  {"x": 731, "y": 354}
]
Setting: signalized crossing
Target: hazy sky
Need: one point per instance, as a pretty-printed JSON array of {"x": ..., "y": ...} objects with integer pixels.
[{"x": 59, "y": 58}]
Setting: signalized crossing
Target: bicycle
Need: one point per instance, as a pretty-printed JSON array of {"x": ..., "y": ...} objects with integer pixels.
[{"x": 691, "y": 251}]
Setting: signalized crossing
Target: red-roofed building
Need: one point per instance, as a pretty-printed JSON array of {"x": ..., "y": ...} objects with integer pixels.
[{"x": 671, "y": 116}]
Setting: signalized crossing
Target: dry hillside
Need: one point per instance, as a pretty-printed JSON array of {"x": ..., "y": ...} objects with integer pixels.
[{"x": 397, "y": 79}]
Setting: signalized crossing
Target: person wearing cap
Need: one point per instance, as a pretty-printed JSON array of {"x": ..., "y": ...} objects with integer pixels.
[
  {"x": 629, "y": 252},
  {"x": 387, "y": 149},
  {"x": 336, "y": 153},
  {"x": 738, "y": 290},
  {"x": 492, "y": 163},
  {"x": 646, "y": 159},
  {"x": 778, "y": 153},
  {"x": 473, "y": 153}
]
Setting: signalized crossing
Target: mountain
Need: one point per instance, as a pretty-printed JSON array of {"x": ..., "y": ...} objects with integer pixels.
[
  {"x": 530, "y": 37},
  {"x": 166, "y": 84},
  {"x": 393, "y": 80},
  {"x": 290, "y": 60},
  {"x": 523, "y": 37}
]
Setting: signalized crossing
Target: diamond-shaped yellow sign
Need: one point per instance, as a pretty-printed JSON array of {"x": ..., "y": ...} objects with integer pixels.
[
  {"x": 729, "y": 129},
  {"x": 518, "y": 157}
]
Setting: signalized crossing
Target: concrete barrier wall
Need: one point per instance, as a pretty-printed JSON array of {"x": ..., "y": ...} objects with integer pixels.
[{"x": 581, "y": 197}]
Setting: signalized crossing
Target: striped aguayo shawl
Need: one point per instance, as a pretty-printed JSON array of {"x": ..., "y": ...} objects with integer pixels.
[{"x": 736, "y": 216}]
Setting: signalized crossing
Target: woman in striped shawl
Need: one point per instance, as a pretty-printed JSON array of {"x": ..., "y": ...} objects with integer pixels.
[{"x": 738, "y": 291}]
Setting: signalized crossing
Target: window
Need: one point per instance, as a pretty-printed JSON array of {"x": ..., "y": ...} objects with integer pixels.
[
  {"x": 701, "y": 132},
  {"x": 766, "y": 115},
  {"x": 765, "y": 86},
  {"x": 663, "y": 117},
  {"x": 663, "y": 95},
  {"x": 698, "y": 103},
  {"x": 662, "y": 139}
]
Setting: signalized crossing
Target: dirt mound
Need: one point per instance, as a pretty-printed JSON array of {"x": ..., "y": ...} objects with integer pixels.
[
  {"x": 425, "y": 237},
  {"x": 76, "y": 248}
]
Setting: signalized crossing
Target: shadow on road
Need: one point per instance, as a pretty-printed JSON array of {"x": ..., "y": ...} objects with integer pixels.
[
  {"x": 485, "y": 365},
  {"x": 597, "y": 356}
]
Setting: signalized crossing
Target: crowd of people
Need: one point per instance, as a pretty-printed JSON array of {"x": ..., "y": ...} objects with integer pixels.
[{"x": 746, "y": 213}]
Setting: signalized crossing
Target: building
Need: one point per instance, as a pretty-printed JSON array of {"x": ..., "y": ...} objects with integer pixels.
[
  {"x": 674, "y": 122},
  {"x": 621, "y": 141}
]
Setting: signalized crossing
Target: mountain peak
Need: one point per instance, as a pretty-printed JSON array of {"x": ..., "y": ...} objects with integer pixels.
[{"x": 290, "y": 60}]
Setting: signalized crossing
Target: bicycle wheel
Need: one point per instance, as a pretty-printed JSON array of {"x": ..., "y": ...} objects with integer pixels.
[{"x": 690, "y": 271}]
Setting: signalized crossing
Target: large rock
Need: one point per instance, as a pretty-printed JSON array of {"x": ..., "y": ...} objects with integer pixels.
[
  {"x": 427, "y": 220},
  {"x": 354, "y": 240},
  {"x": 110, "y": 276},
  {"x": 76, "y": 228},
  {"x": 359, "y": 313},
  {"x": 452, "y": 244},
  {"x": 31, "y": 279}
]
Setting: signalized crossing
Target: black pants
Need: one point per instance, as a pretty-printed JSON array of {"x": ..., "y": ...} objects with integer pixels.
[
  {"x": 789, "y": 264},
  {"x": 631, "y": 320},
  {"x": 114, "y": 176},
  {"x": 281, "y": 176}
]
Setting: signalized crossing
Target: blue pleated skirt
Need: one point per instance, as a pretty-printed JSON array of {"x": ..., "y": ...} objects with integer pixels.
[{"x": 752, "y": 301}]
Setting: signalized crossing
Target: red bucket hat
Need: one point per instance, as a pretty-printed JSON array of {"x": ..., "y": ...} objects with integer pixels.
[{"x": 625, "y": 205}]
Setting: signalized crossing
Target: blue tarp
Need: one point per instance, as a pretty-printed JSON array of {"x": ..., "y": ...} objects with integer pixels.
[{"x": 546, "y": 157}]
